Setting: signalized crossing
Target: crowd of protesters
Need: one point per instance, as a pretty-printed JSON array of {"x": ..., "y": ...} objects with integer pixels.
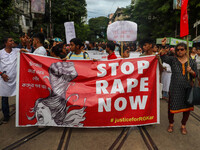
[{"x": 173, "y": 65}]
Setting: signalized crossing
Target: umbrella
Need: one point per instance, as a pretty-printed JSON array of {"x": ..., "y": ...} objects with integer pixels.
[{"x": 57, "y": 39}]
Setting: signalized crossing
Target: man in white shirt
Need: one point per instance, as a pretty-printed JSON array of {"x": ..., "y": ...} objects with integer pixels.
[
  {"x": 8, "y": 73},
  {"x": 38, "y": 42}
]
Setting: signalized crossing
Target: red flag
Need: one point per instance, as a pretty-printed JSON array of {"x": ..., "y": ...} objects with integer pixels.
[{"x": 184, "y": 28}]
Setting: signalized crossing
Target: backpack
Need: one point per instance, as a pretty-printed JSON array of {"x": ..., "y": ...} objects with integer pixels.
[{"x": 84, "y": 55}]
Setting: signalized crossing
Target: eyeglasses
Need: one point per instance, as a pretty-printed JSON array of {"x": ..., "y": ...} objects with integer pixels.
[{"x": 178, "y": 49}]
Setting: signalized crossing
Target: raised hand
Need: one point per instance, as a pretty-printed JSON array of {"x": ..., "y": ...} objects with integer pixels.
[
  {"x": 164, "y": 40},
  {"x": 60, "y": 76}
]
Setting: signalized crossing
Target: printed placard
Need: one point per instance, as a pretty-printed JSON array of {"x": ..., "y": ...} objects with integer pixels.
[{"x": 84, "y": 93}]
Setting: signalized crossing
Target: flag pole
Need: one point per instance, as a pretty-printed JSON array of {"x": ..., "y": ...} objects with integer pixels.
[
  {"x": 122, "y": 49},
  {"x": 184, "y": 27}
]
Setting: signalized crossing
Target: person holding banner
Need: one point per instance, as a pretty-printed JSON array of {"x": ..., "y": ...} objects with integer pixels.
[
  {"x": 59, "y": 51},
  {"x": 126, "y": 52},
  {"x": 110, "y": 48},
  {"x": 38, "y": 42},
  {"x": 8, "y": 73},
  {"x": 179, "y": 83},
  {"x": 148, "y": 50},
  {"x": 76, "y": 51},
  {"x": 147, "y": 47}
]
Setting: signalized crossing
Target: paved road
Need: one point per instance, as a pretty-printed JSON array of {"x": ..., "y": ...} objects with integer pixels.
[{"x": 135, "y": 138}]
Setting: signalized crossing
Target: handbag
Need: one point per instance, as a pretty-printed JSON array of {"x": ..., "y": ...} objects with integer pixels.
[{"x": 193, "y": 95}]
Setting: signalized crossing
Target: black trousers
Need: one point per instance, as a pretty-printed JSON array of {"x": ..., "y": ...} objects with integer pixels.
[{"x": 5, "y": 107}]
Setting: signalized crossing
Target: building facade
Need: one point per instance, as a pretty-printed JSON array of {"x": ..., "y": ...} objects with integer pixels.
[
  {"x": 118, "y": 15},
  {"x": 23, "y": 14}
]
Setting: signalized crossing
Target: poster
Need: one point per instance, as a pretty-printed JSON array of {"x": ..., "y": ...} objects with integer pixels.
[
  {"x": 69, "y": 31},
  {"x": 174, "y": 41},
  {"x": 84, "y": 93},
  {"x": 122, "y": 31}
]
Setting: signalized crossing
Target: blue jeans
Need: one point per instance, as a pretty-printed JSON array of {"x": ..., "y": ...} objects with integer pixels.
[
  {"x": 165, "y": 94},
  {"x": 5, "y": 107}
]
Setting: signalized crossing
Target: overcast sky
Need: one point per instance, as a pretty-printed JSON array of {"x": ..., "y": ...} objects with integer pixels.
[{"x": 96, "y": 8}]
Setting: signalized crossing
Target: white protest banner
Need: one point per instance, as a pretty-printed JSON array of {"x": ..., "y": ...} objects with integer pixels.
[
  {"x": 94, "y": 54},
  {"x": 80, "y": 93},
  {"x": 69, "y": 31},
  {"x": 173, "y": 41},
  {"x": 122, "y": 31}
]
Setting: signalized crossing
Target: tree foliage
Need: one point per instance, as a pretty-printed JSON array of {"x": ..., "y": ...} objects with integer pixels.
[
  {"x": 7, "y": 19},
  {"x": 156, "y": 18},
  {"x": 98, "y": 27},
  {"x": 83, "y": 31},
  {"x": 67, "y": 10},
  {"x": 194, "y": 15},
  {"x": 63, "y": 11}
]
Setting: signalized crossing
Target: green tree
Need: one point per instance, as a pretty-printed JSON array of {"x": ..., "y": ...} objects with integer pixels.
[
  {"x": 83, "y": 31},
  {"x": 8, "y": 24},
  {"x": 68, "y": 10},
  {"x": 98, "y": 27},
  {"x": 194, "y": 15},
  {"x": 156, "y": 18}
]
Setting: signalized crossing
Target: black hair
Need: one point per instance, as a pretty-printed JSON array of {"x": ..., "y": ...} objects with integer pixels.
[
  {"x": 104, "y": 46},
  {"x": 167, "y": 46},
  {"x": 58, "y": 49},
  {"x": 51, "y": 44},
  {"x": 22, "y": 34},
  {"x": 82, "y": 44},
  {"x": 147, "y": 40},
  {"x": 111, "y": 45},
  {"x": 40, "y": 37},
  {"x": 76, "y": 41},
  {"x": 182, "y": 45},
  {"x": 156, "y": 45},
  {"x": 5, "y": 39},
  {"x": 124, "y": 49}
]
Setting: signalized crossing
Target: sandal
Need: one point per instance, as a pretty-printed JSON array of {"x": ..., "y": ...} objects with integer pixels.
[
  {"x": 183, "y": 130},
  {"x": 170, "y": 129}
]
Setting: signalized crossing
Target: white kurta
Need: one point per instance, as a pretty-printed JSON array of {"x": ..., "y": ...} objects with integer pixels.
[
  {"x": 166, "y": 77},
  {"x": 8, "y": 63},
  {"x": 40, "y": 51}
]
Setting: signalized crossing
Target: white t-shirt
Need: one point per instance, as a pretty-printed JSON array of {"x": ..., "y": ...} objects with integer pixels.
[
  {"x": 40, "y": 51},
  {"x": 198, "y": 62},
  {"x": 166, "y": 77},
  {"x": 8, "y": 63}
]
